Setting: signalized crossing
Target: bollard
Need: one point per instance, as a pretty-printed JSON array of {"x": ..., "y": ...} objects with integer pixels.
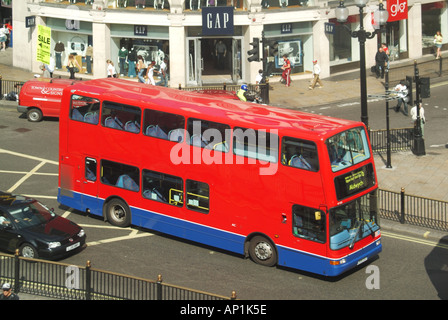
[
  {"x": 159, "y": 287},
  {"x": 402, "y": 219},
  {"x": 16, "y": 271},
  {"x": 88, "y": 281},
  {"x": 233, "y": 295}
]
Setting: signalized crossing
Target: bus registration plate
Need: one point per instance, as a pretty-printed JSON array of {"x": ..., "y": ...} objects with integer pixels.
[{"x": 362, "y": 260}]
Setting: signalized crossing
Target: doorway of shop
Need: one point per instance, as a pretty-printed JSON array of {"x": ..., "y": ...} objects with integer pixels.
[{"x": 214, "y": 61}]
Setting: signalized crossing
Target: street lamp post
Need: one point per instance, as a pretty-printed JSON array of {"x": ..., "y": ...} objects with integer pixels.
[{"x": 380, "y": 17}]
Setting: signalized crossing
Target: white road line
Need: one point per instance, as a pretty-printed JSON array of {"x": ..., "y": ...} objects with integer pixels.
[
  {"x": 25, "y": 172},
  {"x": 415, "y": 240},
  {"x": 131, "y": 236},
  {"x": 26, "y": 176},
  {"x": 29, "y": 157},
  {"x": 40, "y": 196},
  {"x": 67, "y": 213}
]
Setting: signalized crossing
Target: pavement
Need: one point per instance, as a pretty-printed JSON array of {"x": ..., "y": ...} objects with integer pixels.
[{"x": 425, "y": 176}]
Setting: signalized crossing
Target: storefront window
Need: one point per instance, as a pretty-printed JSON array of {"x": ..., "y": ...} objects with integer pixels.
[
  {"x": 266, "y": 4},
  {"x": 341, "y": 41},
  {"x": 432, "y": 14}
]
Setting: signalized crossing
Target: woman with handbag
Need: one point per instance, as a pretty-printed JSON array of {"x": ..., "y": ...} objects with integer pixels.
[
  {"x": 438, "y": 42},
  {"x": 73, "y": 66}
]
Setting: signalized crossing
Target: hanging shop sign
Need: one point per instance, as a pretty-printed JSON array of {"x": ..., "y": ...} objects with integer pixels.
[
  {"x": 43, "y": 44},
  {"x": 398, "y": 10}
]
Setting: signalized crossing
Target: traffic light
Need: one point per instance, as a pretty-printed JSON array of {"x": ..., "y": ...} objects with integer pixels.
[
  {"x": 273, "y": 48},
  {"x": 424, "y": 88},
  {"x": 254, "y": 54},
  {"x": 410, "y": 96}
]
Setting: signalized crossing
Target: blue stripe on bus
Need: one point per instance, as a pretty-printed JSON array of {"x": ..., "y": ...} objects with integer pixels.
[
  {"x": 162, "y": 223},
  {"x": 306, "y": 261},
  {"x": 287, "y": 256}
]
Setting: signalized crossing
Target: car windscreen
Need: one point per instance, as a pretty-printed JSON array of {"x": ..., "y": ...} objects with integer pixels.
[{"x": 30, "y": 214}]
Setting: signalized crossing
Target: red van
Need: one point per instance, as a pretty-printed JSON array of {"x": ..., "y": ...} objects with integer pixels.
[{"x": 41, "y": 97}]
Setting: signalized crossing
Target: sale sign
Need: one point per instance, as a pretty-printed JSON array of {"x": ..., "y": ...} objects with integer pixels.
[
  {"x": 43, "y": 44},
  {"x": 398, "y": 10}
]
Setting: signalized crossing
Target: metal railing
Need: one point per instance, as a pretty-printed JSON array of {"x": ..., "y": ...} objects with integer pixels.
[
  {"x": 401, "y": 139},
  {"x": 261, "y": 89},
  {"x": 6, "y": 86},
  {"x": 69, "y": 282},
  {"x": 414, "y": 210},
  {"x": 428, "y": 67}
]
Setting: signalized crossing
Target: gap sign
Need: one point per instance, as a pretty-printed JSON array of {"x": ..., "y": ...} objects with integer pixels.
[{"x": 217, "y": 21}]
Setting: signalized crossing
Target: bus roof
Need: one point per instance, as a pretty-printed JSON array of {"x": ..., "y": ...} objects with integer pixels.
[{"x": 224, "y": 110}]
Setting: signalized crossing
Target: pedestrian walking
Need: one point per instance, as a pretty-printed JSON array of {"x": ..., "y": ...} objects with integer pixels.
[
  {"x": 111, "y": 71},
  {"x": 414, "y": 117},
  {"x": 380, "y": 62},
  {"x": 141, "y": 69},
  {"x": 316, "y": 76},
  {"x": 150, "y": 73},
  {"x": 163, "y": 73},
  {"x": 438, "y": 39},
  {"x": 402, "y": 91},
  {"x": 286, "y": 75},
  {"x": 7, "y": 293},
  {"x": 73, "y": 66},
  {"x": 4, "y": 31}
]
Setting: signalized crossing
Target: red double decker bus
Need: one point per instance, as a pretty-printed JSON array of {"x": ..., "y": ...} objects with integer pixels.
[{"x": 282, "y": 187}]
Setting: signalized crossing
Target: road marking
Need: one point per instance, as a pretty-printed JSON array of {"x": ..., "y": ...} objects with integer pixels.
[
  {"x": 29, "y": 157},
  {"x": 415, "y": 240},
  {"x": 40, "y": 196},
  {"x": 133, "y": 235},
  {"x": 26, "y": 176},
  {"x": 25, "y": 172}
]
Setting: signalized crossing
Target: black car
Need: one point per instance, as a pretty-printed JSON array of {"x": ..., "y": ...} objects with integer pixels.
[{"x": 38, "y": 232}]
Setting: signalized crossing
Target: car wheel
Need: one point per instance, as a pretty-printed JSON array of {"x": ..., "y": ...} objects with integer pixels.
[
  {"x": 34, "y": 115},
  {"x": 262, "y": 251},
  {"x": 28, "y": 251},
  {"x": 118, "y": 213}
]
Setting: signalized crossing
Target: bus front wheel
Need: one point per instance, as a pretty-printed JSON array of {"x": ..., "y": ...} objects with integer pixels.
[
  {"x": 262, "y": 251},
  {"x": 118, "y": 213}
]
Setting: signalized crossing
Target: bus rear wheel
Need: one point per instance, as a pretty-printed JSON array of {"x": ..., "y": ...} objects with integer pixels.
[
  {"x": 262, "y": 251},
  {"x": 118, "y": 213}
]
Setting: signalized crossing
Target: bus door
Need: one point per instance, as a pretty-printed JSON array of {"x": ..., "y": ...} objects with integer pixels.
[
  {"x": 310, "y": 228},
  {"x": 89, "y": 184}
]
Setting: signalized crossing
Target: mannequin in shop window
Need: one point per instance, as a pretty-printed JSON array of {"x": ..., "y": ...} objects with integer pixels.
[
  {"x": 89, "y": 56},
  {"x": 132, "y": 58},
  {"x": 122, "y": 57},
  {"x": 139, "y": 3},
  {"x": 195, "y": 4},
  {"x": 158, "y": 3},
  {"x": 59, "y": 49},
  {"x": 122, "y": 3}
]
